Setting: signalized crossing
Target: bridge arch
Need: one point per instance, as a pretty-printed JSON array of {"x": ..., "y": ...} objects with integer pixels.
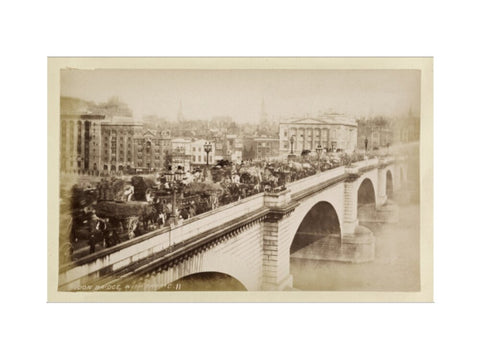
[
  {"x": 321, "y": 220},
  {"x": 205, "y": 281},
  {"x": 213, "y": 261},
  {"x": 400, "y": 175},
  {"x": 366, "y": 193}
]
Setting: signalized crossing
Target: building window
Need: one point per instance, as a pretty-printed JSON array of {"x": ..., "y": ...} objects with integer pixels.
[{"x": 324, "y": 134}]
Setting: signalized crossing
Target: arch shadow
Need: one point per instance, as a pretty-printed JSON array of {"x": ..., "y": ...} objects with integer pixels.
[
  {"x": 205, "y": 281},
  {"x": 320, "y": 222},
  {"x": 366, "y": 201},
  {"x": 389, "y": 184},
  {"x": 366, "y": 193}
]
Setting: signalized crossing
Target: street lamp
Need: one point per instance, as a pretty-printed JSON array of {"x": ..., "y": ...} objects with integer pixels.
[
  {"x": 319, "y": 151},
  {"x": 174, "y": 180},
  {"x": 208, "y": 148}
]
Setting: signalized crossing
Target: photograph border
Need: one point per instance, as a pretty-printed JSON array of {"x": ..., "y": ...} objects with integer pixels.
[{"x": 424, "y": 64}]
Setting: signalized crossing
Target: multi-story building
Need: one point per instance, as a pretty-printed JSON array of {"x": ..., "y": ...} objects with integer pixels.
[
  {"x": 377, "y": 131},
  {"x": 190, "y": 153},
  {"x": 151, "y": 149},
  {"x": 228, "y": 147},
  {"x": 198, "y": 153},
  {"x": 118, "y": 145},
  {"x": 80, "y": 142},
  {"x": 231, "y": 148},
  {"x": 95, "y": 138},
  {"x": 260, "y": 148},
  {"x": 332, "y": 131},
  {"x": 181, "y": 153}
]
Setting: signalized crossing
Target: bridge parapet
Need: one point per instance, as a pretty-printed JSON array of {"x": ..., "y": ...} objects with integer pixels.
[
  {"x": 366, "y": 164},
  {"x": 74, "y": 275},
  {"x": 386, "y": 161},
  {"x": 217, "y": 217},
  {"x": 278, "y": 199},
  {"x": 300, "y": 185}
]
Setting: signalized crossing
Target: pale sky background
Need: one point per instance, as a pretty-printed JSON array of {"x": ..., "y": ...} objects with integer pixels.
[{"x": 239, "y": 93}]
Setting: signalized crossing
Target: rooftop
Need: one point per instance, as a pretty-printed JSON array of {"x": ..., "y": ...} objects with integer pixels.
[
  {"x": 123, "y": 121},
  {"x": 326, "y": 118}
]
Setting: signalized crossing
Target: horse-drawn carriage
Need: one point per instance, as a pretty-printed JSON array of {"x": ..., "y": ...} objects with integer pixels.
[
  {"x": 103, "y": 216},
  {"x": 79, "y": 227},
  {"x": 115, "y": 211}
]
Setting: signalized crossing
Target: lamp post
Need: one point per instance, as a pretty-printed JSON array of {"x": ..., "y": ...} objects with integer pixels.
[
  {"x": 319, "y": 151},
  {"x": 208, "y": 148},
  {"x": 174, "y": 181}
]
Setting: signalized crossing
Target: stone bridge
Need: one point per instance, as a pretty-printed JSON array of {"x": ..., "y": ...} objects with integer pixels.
[{"x": 252, "y": 240}]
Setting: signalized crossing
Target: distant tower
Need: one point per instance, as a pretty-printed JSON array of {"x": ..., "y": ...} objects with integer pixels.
[{"x": 180, "y": 117}]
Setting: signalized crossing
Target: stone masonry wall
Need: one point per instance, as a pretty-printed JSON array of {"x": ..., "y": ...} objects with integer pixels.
[{"x": 239, "y": 256}]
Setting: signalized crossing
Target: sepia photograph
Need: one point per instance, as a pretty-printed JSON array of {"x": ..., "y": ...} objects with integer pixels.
[{"x": 240, "y": 179}]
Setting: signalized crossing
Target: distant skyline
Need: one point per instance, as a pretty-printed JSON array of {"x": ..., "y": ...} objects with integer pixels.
[{"x": 204, "y": 94}]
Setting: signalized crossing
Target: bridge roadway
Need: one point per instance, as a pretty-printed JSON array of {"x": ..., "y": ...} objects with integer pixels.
[{"x": 235, "y": 239}]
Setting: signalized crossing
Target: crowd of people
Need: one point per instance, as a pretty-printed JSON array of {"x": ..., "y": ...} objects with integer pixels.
[{"x": 170, "y": 202}]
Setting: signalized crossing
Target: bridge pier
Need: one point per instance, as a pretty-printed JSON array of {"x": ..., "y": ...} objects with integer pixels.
[
  {"x": 350, "y": 214},
  {"x": 276, "y": 264},
  {"x": 387, "y": 213},
  {"x": 276, "y": 252},
  {"x": 381, "y": 188},
  {"x": 357, "y": 242}
]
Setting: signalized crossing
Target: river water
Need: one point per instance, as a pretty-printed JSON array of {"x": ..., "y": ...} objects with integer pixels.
[{"x": 396, "y": 266}]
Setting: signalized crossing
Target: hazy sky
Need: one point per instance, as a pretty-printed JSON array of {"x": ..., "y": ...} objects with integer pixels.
[{"x": 239, "y": 93}]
